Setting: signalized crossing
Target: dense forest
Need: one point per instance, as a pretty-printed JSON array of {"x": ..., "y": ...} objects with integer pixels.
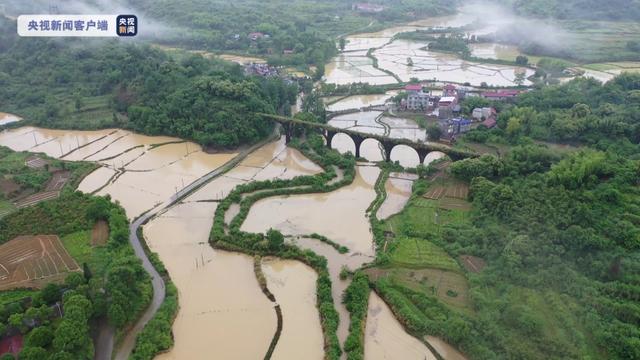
[
  {"x": 560, "y": 231},
  {"x": 91, "y": 84}
]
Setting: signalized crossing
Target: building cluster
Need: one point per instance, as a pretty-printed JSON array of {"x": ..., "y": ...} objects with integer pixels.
[
  {"x": 264, "y": 70},
  {"x": 445, "y": 109}
]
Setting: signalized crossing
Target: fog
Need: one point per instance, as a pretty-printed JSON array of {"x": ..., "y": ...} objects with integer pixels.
[{"x": 501, "y": 24}]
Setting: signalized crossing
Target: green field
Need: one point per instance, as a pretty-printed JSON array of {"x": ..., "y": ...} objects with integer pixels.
[
  {"x": 78, "y": 245},
  {"x": 6, "y": 207},
  {"x": 597, "y": 41},
  {"x": 10, "y": 296},
  {"x": 420, "y": 253},
  {"x": 419, "y": 218}
]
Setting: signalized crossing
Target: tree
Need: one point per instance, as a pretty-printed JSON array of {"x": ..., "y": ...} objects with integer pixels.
[
  {"x": 434, "y": 132},
  {"x": 78, "y": 102},
  {"x": 39, "y": 337},
  {"x": 522, "y": 60},
  {"x": 633, "y": 45},
  {"x": 17, "y": 321},
  {"x": 342, "y": 43},
  {"x": 33, "y": 353},
  {"x": 519, "y": 79},
  {"x": 51, "y": 293},
  {"x": 275, "y": 239},
  {"x": 74, "y": 280}
]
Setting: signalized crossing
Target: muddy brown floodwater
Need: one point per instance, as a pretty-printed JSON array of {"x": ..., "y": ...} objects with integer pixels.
[
  {"x": 386, "y": 339},
  {"x": 96, "y": 179},
  {"x": 360, "y": 101},
  {"x": 8, "y": 118},
  {"x": 294, "y": 286},
  {"x": 150, "y": 168},
  {"x": 353, "y": 65},
  {"x": 398, "y": 188},
  {"x": 222, "y": 309},
  {"x": 338, "y": 215},
  {"x": 335, "y": 263},
  {"x": 445, "y": 350},
  {"x": 220, "y": 299}
]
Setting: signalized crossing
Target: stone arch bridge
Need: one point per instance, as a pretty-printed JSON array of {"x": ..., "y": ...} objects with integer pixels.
[{"x": 328, "y": 131}]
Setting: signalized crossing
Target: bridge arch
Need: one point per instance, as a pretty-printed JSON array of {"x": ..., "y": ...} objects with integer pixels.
[
  {"x": 342, "y": 142},
  {"x": 405, "y": 155},
  {"x": 433, "y": 156},
  {"x": 372, "y": 150}
]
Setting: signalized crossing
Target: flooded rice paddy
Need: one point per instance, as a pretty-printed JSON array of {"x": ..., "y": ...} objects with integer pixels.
[
  {"x": 218, "y": 293},
  {"x": 294, "y": 286},
  {"x": 222, "y": 309},
  {"x": 149, "y": 168},
  {"x": 386, "y": 339},
  {"x": 353, "y": 65},
  {"x": 398, "y": 188},
  {"x": 338, "y": 215},
  {"x": 6, "y": 118},
  {"x": 360, "y": 101},
  {"x": 335, "y": 262},
  {"x": 219, "y": 296}
]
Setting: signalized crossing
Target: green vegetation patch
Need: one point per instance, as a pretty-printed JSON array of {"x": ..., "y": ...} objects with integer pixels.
[
  {"x": 431, "y": 282},
  {"x": 418, "y": 253}
]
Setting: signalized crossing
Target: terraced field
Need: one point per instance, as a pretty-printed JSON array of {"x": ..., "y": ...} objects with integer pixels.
[{"x": 33, "y": 261}]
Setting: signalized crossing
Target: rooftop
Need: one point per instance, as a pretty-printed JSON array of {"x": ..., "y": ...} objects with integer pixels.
[
  {"x": 501, "y": 93},
  {"x": 413, "y": 87},
  {"x": 446, "y": 99}
]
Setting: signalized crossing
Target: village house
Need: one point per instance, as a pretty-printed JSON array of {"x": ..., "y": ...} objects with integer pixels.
[
  {"x": 489, "y": 123},
  {"x": 367, "y": 7},
  {"x": 447, "y": 106},
  {"x": 255, "y": 36},
  {"x": 417, "y": 99},
  {"x": 264, "y": 70},
  {"x": 500, "y": 94},
  {"x": 480, "y": 114},
  {"x": 452, "y": 127}
]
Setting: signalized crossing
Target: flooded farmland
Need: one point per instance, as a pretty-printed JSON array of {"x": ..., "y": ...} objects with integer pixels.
[
  {"x": 360, "y": 101},
  {"x": 294, "y": 286},
  {"x": 386, "y": 339},
  {"x": 353, "y": 64},
  {"x": 150, "y": 169},
  {"x": 338, "y": 215},
  {"x": 8, "y": 118},
  {"x": 335, "y": 262},
  {"x": 398, "y": 188},
  {"x": 97, "y": 179},
  {"x": 218, "y": 293}
]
